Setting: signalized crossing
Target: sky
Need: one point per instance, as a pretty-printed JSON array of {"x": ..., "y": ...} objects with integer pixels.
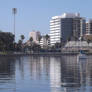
[{"x": 36, "y": 14}]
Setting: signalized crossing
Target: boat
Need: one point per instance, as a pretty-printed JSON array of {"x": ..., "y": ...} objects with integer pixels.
[{"x": 81, "y": 56}]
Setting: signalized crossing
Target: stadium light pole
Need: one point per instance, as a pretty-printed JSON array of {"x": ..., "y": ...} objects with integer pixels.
[{"x": 14, "y": 10}]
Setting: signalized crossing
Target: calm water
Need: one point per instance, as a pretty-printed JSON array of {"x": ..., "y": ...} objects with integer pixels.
[{"x": 45, "y": 74}]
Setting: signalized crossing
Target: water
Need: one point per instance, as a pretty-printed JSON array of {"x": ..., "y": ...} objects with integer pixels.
[{"x": 45, "y": 74}]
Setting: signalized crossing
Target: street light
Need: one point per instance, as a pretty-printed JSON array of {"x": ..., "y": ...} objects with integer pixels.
[{"x": 14, "y": 10}]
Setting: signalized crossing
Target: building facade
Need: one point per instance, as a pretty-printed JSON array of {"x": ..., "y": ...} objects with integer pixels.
[
  {"x": 89, "y": 27},
  {"x": 45, "y": 42},
  {"x": 66, "y": 26},
  {"x": 55, "y": 30},
  {"x": 79, "y": 28}
]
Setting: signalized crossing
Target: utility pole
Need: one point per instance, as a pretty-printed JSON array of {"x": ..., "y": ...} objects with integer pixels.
[{"x": 14, "y": 10}]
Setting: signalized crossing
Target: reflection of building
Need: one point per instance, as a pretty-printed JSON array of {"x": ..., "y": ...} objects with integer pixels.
[
  {"x": 55, "y": 72},
  {"x": 7, "y": 74},
  {"x": 35, "y": 35},
  {"x": 67, "y": 25},
  {"x": 70, "y": 73},
  {"x": 89, "y": 70},
  {"x": 38, "y": 67},
  {"x": 82, "y": 65},
  {"x": 7, "y": 68}
]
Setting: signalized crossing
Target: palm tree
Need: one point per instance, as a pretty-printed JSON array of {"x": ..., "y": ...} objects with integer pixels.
[
  {"x": 39, "y": 39},
  {"x": 20, "y": 45},
  {"x": 31, "y": 39},
  {"x": 31, "y": 44},
  {"x": 22, "y": 37},
  {"x": 20, "y": 42},
  {"x": 47, "y": 37}
]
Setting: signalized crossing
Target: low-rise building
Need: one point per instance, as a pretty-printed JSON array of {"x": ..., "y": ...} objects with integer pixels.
[
  {"x": 45, "y": 42},
  {"x": 78, "y": 45}
]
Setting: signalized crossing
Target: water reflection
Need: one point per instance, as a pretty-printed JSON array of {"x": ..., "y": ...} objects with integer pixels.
[
  {"x": 7, "y": 74},
  {"x": 70, "y": 75},
  {"x": 55, "y": 72},
  {"x": 45, "y": 74}
]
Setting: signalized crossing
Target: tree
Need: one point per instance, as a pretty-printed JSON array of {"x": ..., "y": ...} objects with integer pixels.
[
  {"x": 36, "y": 47},
  {"x": 20, "y": 42},
  {"x": 19, "y": 45},
  {"x": 22, "y": 37},
  {"x": 6, "y": 41},
  {"x": 88, "y": 41},
  {"x": 69, "y": 39},
  {"x": 31, "y": 39},
  {"x": 31, "y": 43},
  {"x": 39, "y": 38},
  {"x": 47, "y": 36},
  {"x": 57, "y": 45}
]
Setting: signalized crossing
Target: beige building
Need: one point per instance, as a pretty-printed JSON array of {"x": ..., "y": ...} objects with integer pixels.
[{"x": 35, "y": 35}]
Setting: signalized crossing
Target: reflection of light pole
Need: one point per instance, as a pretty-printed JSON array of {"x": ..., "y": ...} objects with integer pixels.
[{"x": 14, "y": 10}]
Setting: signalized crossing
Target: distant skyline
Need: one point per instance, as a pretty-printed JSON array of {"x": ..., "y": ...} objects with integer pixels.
[{"x": 36, "y": 14}]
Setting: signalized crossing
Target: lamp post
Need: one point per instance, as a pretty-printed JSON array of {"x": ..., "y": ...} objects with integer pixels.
[{"x": 14, "y": 10}]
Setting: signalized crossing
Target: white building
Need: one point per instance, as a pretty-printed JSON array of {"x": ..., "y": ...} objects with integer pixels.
[
  {"x": 55, "y": 30},
  {"x": 55, "y": 73},
  {"x": 62, "y": 27},
  {"x": 45, "y": 42},
  {"x": 35, "y": 35}
]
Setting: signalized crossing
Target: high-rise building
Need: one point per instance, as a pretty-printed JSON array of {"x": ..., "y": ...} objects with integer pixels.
[
  {"x": 55, "y": 30},
  {"x": 35, "y": 35},
  {"x": 79, "y": 28},
  {"x": 67, "y": 25},
  {"x": 89, "y": 27}
]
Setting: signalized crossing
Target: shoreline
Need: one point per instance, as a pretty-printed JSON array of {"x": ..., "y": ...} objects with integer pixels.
[
  {"x": 43, "y": 54},
  {"x": 10, "y": 54}
]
